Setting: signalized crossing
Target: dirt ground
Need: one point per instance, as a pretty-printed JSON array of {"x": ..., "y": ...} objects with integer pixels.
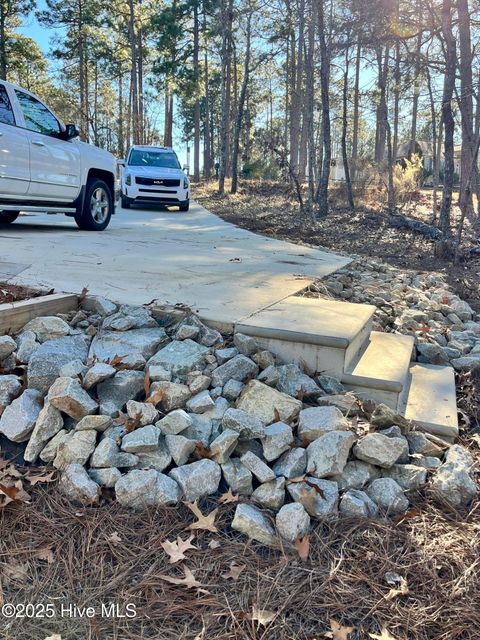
[{"x": 270, "y": 208}]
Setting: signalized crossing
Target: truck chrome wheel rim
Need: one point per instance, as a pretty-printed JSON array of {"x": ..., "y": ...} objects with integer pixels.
[{"x": 99, "y": 205}]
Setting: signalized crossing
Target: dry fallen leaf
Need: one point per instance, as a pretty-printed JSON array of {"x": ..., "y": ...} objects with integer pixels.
[
  {"x": 176, "y": 549},
  {"x": 400, "y": 587},
  {"x": 203, "y": 522},
  {"x": 384, "y": 635},
  {"x": 339, "y": 632},
  {"x": 14, "y": 571},
  {"x": 227, "y": 497},
  {"x": 45, "y": 554},
  {"x": 234, "y": 571},
  {"x": 302, "y": 545},
  {"x": 15, "y": 493},
  {"x": 55, "y": 636},
  {"x": 188, "y": 580},
  {"x": 262, "y": 616},
  {"x": 114, "y": 538},
  {"x": 42, "y": 477}
]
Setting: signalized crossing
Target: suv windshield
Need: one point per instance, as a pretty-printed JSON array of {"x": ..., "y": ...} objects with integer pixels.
[{"x": 143, "y": 158}]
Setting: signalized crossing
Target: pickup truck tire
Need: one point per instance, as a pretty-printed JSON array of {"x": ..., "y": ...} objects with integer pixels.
[
  {"x": 125, "y": 202},
  {"x": 97, "y": 207},
  {"x": 7, "y": 217},
  {"x": 184, "y": 206}
]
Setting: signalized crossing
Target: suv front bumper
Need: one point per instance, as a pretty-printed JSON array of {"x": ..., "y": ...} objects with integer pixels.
[{"x": 136, "y": 193}]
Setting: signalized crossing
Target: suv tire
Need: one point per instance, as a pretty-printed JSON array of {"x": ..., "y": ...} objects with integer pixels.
[
  {"x": 125, "y": 202},
  {"x": 7, "y": 217},
  {"x": 184, "y": 206},
  {"x": 97, "y": 206}
]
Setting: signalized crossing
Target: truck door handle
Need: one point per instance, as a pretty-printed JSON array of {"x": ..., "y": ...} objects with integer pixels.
[{"x": 38, "y": 143}]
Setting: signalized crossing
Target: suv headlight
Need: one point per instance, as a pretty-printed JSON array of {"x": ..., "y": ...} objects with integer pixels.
[
  {"x": 128, "y": 179},
  {"x": 186, "y": 184}
]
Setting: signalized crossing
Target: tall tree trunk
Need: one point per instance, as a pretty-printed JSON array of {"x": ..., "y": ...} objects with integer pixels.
[
  {"x": 346, "y": 168},
  {"x": 241, "y": 103},
  {"x": 296, "y": 102},
  {"x": 416, "y": 83},
  {"x": 322, "y": 194},
  {"x": 133, "y": 70},
  {"x": 141, "y": 105},
  {"x": 435, "y": 162},
  {"x": 207, "y": 156},
  {"x": 226, "y": 31},
  {"x": 468, "y": 155},
  {"x": 356, "y": 110},
  {"x": 3, "y": 43},
  {"x": 382, "y": 108},
  {"x": 196, "y": 113},
  {"x": 121, "y": 138},
  {"x": 444, "y": 247},
  {"x": 309, "y": 113}
]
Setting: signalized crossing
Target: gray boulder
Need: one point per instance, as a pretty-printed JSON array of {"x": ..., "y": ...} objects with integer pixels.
[
  {"x": 10, "y": 387},
  {"x": 18, "y": 419},
  {"x": 75, "y": 448},
  {"x": 356, "y": 475},
  {"x": 276, "y": 439},
  {"x": 98, "y": 373},
  {"x": 247, "y": 425},
  {"x": 270, "y": 495},
  {"x": 48, "y": 328},
  {"x": 453, "y": 482},
  {"x": 115, "y": 392},
  {"x": 238, "y": 368},
  {"x": 145, "y": 488},
  {"x": 357, "y": 504},
  {"x": 260, "y": 470},
  {"x": 291, "y": 464},
  {"x": 319, "y": 497},
  {"x": 200, "y": 403},
  {"x": 107, "y": 454},
  {"x": 238, "y": 477},
  {"x": 223, "y": 446},
  {"x": 175, "y": 422},
  {"x": 97, "y": 423},
  {"x": 105, "y": 477},
  {"x": 379, "y": 449},
  {"x": 316, "y": 421},
  {"x": 180, "y": 448},
  {"x": 292, "y": 522},
  {"x": 144, "y": 411},
  {"x": 68, "y": 396},
  {"x": 141, "y": 440},
  {"x": 98, "y": 305},
  {"x": 327, "y": 456},
  {"x": 245, "y": 344},
  {"x": 138, "y": 344},
  {"x": 197, "y": 479},
  {"x": 48, "y": 424},
  {"x": 267, "y": 404},
  {"x": 408, "y": 476},
  {"x": 294, "y": 382},
  {"x": 388, "y": 495},
  {"x": 46, "y": 362},
  {"x": 174, "y": 395},
  {"x": 180, "y": 357},
  {"x": 7, "y": 347},
  {"x": 159, "y": 459},
  {"x": 77, "y": 486},
  {"x": 250, "y": 521}
]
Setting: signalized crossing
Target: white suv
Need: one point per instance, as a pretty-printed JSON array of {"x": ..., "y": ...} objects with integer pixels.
[
  {"x": 44, "y": 167},
  {"x": 152, "y": 175}
]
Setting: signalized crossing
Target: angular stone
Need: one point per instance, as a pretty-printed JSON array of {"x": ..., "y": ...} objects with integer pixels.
[
  {"x": 159, "y": 459},
  {"x": 207, "y": 336},
  {"x": 10, "y": 387},
  {"x": 99, "y": 305},
  {"x": 26, "y": 346},
  {"x": 73, "y": 369},
  {"x": 77, "y": 447},
  {"x": 356, "y": 475},
  {"x": 141, "y": 440},
  {"x": 108, "y": 454},
  {"x": 180, "y": 448},
  {"x": 119, "y": 322},
  {"x": 98, "y": 373},
  {"x": 452, "y": 482},
  {"x": 136, "y": 343},
  {"x": 159, "y": 374},
  {"x": 419, "y": 443},
  {"x": 199, "y": 383},
  {"x": 186, "y": 331},
  {"x": 379, "y": 449},
  {"x": 49, "y": 453},
  {"x": 384, "y": 417},
  {"x": 48, "y": 424},
  {"x": 292, "y": 522},
  {"x": 264, "y": 359},
  {"x": 45, "y": 363},
  {"x": 347, "y": 403},
  {"x": 291, "y": 464},
  {"x": 320, "y": 501},
  {"x": 144, "y": 410},
  {"x": 77, "y": 486},
  {"x": 18, "y": 419},
  {"x": 253, "y": 523},
  {"x": 238, "y": 477},
  {"x": 427, "y": 462},
  {"x": 267, "y": 404},
  {"x": 174, "y": 395},
  {"x": 327, "y": 455},
  {"x": 270, "y": 495},
  {"x": 175, "y": 422},
  {"x": 142, "y": 316},
  {"x": 105, "y": 477},
  {"x": 408, "y": 476},
  {"x": 248, "y": 426},
  {"x": 238, "y": 368},
  {"x": 197, "y": 479},
  {"x": 269, "y": 376},
  {"x": 466, "y": 363},
  {"x": 357, "y": 504},
  {"x": 115, "y": 392},
  {"x": 316, "y": 421},
  {"x": 223, "y": 355},
  {"x": 330, "y": 385},
  {"x": 260, "y": 470},
  {"x": 145, "y": 488},
  {"x": 232, "y": 389},
  {"x": 276, "y": 439},
  {"x": 295, "y": 383},
  {"x": 200, "y": 403},
  {"x": 48, "y": 328},
  {"x": 97, "y": 423},
  {"x": 180, "y": 357},
  {"x": 248, "y": 445},
  {"x": 388, "y": 495},
  {"x": 201, "y": 429},
  {"x": 7, "y": 346},
  {"x": 222, "y": 447},
  {"x": 245, "y": 344},
  {"x": 67, "y": 395}
]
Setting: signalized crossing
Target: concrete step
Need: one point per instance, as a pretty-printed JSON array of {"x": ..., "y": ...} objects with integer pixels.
[
  {"x": 430, "y": 399},
  {"x": 381, "y": 371},
  {"x": 322, "y": 335}
]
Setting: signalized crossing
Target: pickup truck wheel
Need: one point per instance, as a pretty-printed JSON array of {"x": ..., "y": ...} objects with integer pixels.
[
  {"x": 184, "y": 206},
  {"x": 7, "y": 217},
  {"x": 97, "y": 208}
]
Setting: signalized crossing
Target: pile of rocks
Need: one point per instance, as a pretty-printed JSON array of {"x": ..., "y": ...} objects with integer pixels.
[
  {"x": 159, "y": 409},
  {"x": 446, "y": 328}
]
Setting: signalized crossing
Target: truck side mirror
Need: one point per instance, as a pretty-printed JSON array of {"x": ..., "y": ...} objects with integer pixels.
[
  {"x": 71, "y": 131},
  {"x": 121, "y": 162}
]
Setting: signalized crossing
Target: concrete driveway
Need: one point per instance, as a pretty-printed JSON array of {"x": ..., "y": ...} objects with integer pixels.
[{"x": 221, "y": 271}]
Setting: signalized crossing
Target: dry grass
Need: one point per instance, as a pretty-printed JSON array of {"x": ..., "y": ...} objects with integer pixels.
[{"x": 343, "y": 579}]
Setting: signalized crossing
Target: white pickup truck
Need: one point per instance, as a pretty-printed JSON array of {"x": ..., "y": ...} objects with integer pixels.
[{"x": 45, "y": 167}]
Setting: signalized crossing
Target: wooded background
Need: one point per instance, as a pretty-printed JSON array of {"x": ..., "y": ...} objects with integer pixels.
[{"x": 276, "y": 89}]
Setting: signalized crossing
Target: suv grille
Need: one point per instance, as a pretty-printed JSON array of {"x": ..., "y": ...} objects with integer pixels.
[{"x": 160, "y": 182}]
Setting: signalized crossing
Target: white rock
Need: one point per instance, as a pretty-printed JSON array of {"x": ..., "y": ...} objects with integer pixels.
[
  {"x": 327, "y": 455},
  {"x": 18, "y": 419},
  {"x": 357, "y": 504},
  {"x": 175, "y": 422},
  {"x": 98, "y": 373},
  {"x": 10, "y": 387},
  {"x": 174, "y": 395},
  {"x": 291, "y": 464},
  {"x": 247, "y": 425},
  {"x": 276, "y": 439},
  {"x": 68, "y": 396},
  {"x": 238, "y": 477},
  {"x": 270, "y": 495},
  {"x": 48, "y": 424},
  {"x": 180, "y": 448},
  {"x": 76, "y": 448},
  {"x": 356, "y": 475},
  {"x": 159, "y": 459},
  {"x": 316, "y": 421},
  {"x": 108, "y": 454},
  {"x": 267, "y": 404},
  {"x": 319, "y": 497},
  {"x": 253, "y": 523},
  {"x": 408, "y": 476},
  {"x": 388, "y": 495},
  {"x": 144, "y": 410},
  {"x": 97, "y": 423},
  {"x": 379, "y": 449},
  {"x": 48, "y": 328},
  {"x": 260, "y": 470},
  {"x": 200, "y": 403},
  {"x": 292, "y": 522},
  {"x": 180, "y": 357},
  {"x": 76, "y": 484},
  {"x": 245, "y": 344},
  {"x": 141, "y": 440},
  {"x": 197, "y": 479},
  {"x": 49, "y": 453},
  {"x": 238, "y": 368},
  {"x": 223, "y": 445},
  {"x": 144, "y": 488}
]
